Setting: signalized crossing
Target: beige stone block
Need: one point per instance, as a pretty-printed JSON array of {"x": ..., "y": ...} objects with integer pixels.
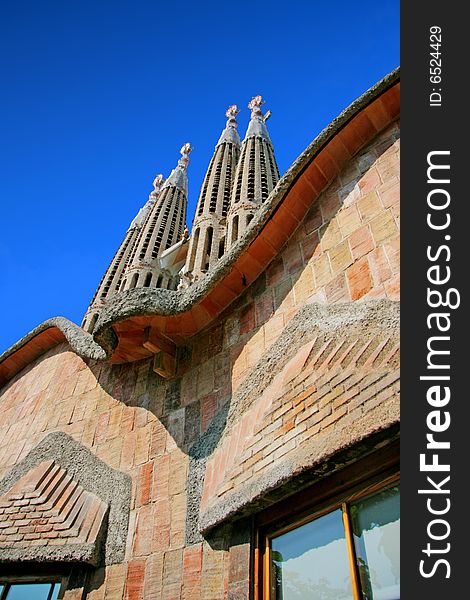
[
  {"x": 340, "y": 257},
  {"x": 322, "y": 271},
  {"x": 383, "y": 227}
]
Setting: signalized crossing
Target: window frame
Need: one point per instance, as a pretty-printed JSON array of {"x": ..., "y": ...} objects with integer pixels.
[
  {"x": 363, "y": 478},
  {"x": 7, "y": 582}
]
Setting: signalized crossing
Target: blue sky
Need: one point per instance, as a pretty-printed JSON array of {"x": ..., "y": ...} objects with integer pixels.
[{"x": 99, "y": 96}]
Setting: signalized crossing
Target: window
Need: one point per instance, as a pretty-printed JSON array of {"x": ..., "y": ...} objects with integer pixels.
[
  {"x": 29, "y": 591},
  {"x": 134, "y": 281},
  {"x": 235, "y": 229},
  {"x": 343, "y": 544}
]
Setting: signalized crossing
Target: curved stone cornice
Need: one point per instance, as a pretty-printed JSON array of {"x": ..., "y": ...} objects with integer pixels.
[{"x": 47, "y": 335}]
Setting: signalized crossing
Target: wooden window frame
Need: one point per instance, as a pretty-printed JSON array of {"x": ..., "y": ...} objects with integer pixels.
[{"x": 363, "y": 478}]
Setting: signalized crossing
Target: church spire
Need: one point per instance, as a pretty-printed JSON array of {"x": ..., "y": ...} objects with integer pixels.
[
  {"x": 111, "y": 280},
  {"x": 257, "y": 173},
  {"x": 207, "y": 242},
  {"x": 163, "y": 227},
  {"x": 178, "y": 177}
]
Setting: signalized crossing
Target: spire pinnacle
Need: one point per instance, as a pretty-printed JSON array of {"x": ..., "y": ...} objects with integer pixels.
[
  {"x": 157, "y": 184},
  {"x": 257, "y": 125},
  {"x": 230, "y": 133},
  {"x": 178, "y": 177},
  {"x": 185, "y": 152},
  {"x": 232, "y": 112},
  {"x": 141, "y": 216},
  {"x": 255, "y": 105}
]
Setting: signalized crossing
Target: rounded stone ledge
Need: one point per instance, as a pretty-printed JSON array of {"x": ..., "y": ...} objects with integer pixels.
[
  {"x": 306, "y": 466},
  {"x": 159, "y": 302},
  {"x": 81, "y": 342},
  {"x": 47, "y": 335},
  {"x": 66, "y": 553}
]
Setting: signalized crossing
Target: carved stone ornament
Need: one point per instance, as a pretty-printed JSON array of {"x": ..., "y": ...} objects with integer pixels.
[
  {"x": 256, "y": 102},
  {"x": 232, "y": 111}
]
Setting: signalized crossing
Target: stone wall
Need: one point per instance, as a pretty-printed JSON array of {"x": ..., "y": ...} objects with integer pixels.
[{"x": 301, "y": 356}]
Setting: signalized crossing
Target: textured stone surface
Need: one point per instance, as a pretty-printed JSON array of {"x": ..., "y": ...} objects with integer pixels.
[
  {"x": 108, "y": 486},
  {"x": 47, "y": 516}
]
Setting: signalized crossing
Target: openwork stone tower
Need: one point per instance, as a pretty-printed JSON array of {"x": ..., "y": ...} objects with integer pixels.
[
  {"x": 256, "y": 176},
  {"x": 207, "y": 243},
  {"x": 163, "y": 228},
  {"x": 156, "y": 251},
  {"x": 111, "y": 281}
]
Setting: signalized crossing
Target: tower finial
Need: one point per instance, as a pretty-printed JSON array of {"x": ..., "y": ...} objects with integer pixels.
[
  {"x": 185, "y": 151},
  {"x": 257, "y": 125},
  {"x": 179, "y": 177},
  {"x": 232, "y": 112},
  {"x": 230, "y": 133},
  {"x": 157, "y": 184},
  {"x": 255, "y": 104}
]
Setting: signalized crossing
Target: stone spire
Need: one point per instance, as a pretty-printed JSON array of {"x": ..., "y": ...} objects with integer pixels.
[
  {"x": 163, "y": 227},
  {"x": 111, "y": 280},
  {"x": 207, "y": 243},
  {"x": 257, "y": 173}
]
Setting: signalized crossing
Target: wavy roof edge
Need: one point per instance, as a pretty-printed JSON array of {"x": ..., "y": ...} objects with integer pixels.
[{"x": 143, "y": 302}]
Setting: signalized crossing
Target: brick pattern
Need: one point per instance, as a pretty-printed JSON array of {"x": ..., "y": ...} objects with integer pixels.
[
  {"x": 327, "y": 384},
  {"x": 47, "y": 507}
]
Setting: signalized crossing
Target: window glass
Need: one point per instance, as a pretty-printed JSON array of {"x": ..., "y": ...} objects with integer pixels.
[
  {"x": 312, "y": 561},
  {"x": 376, "y": 528},
  {"x": 33, "y": 591}
]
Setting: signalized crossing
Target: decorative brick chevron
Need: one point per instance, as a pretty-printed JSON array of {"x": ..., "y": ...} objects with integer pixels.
[
  {"x": 339, "y": 385},
  {"x": 47, "y": 508}
]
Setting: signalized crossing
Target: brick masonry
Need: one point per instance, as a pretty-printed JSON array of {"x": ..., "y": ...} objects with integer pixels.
[
  {"x": 159, "y": 433},
  {"x": 46, "y": 508}
]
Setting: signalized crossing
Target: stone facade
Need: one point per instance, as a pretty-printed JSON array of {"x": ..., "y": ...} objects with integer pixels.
[{"x": 296, "y": 378}]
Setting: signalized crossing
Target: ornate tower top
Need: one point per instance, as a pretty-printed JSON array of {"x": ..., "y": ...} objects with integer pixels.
[
  {"x": 256, "y": 174},
  {"x": 157, "y": 184},
  {"x": 178, "y": 177},
  {"x": 230, "y": 133},
  {"x": 255, "y": 103},
  {"x": 207, "y": 242},
  {"x": 232, "y": 111},
  {"x": 257, "y": 126},
  {"x": 185, "y": 152},
  {"x": 142, "y": 215}
]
